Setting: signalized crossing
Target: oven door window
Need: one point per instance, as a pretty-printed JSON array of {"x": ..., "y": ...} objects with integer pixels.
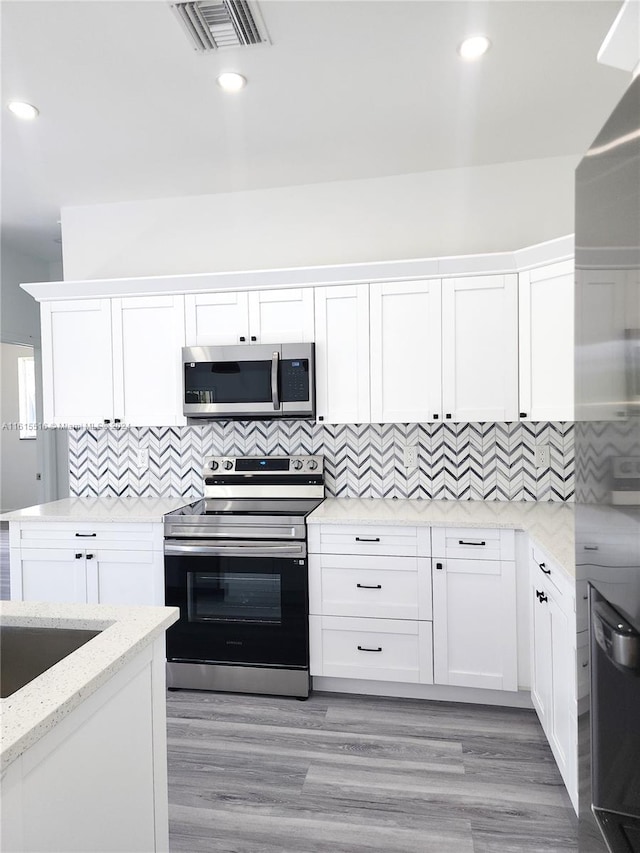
[{"x": 234, "y": 597}]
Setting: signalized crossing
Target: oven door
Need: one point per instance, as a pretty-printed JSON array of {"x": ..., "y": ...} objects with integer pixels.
[{"x": 240, "y": 602}]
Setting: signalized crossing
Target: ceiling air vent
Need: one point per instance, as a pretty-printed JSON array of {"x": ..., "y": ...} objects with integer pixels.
[{"x": 213, "y": 24}]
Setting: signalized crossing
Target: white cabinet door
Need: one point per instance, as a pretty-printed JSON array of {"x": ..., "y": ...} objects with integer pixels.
[
  {"x": 217, "y": 319},
  {"x": 148, "y": 336},
  {"x": 77, "y": 374},
  {"x": 49, "y": 575},
  {"x": 480, "y": 348},
  {"x": 125, "y": 577},
  {"x": 563, "y": 712},
  {"x": 342, "y": 353},
  {"x": 541, "y": 665},
  {"x": 474, "y": 623},
  {"x": 406, "y": 369},
  {"x": 546, "y": 342},
  {"x": 281, "y": 316}
]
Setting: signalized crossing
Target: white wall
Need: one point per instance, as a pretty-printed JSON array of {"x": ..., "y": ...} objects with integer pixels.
[
  {"x": 18, "y": 486},
  {"x": 20, "y": 320},
  {"x": 450, "y": 212}
]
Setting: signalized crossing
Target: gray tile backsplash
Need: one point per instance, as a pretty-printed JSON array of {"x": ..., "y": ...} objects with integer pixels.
[{"x": 491, "y": 461}]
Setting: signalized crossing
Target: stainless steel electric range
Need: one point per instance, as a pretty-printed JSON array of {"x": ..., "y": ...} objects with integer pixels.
[{"x": 236, "y": 566}]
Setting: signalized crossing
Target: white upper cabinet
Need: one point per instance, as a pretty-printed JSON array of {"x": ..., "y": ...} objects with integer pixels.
[
  {"x": 546, "y": 303},
  {"x": 342, "y": 353},
  {"x": 406, "y": 361},
  {"x": 148, "y": 336},
  {"x": 480, "y": 348},
  {"x": 113, "y": 361},
  {"x": 216, "y": 318},
  {"x": 260, "y": 317},
  {"x": 77, "y": 361},
  {"x": 281, "y": 316}
]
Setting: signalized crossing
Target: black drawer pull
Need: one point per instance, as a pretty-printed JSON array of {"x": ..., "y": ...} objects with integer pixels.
[
  {"x": 439, "y": 566},
  {"x": 546, "y": 571},
  {"x": 86, "y": 535},
  {"x": 541, "y": 596},
  {"x": 365, "y": 649},
  {"x": 363, "y": 539},
  {"x": 369, "y": 586},
  {"x": 90, "y": 556},
  {"x": 470, "y": 542},
  {"x": 78, "y": 556}
]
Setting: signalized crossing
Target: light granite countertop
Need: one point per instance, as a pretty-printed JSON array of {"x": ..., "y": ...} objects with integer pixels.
[
  {"x": 550, "y": 524},
  {"x": 39, "y": 706},
  {"x": 98, "y": 509}
]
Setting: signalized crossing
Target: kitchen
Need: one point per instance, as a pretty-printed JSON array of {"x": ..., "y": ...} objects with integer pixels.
[{"x": 357, "y": 301}]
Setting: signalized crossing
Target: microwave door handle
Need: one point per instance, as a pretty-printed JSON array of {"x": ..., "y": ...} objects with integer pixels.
[{"x": 275, "y": 362}]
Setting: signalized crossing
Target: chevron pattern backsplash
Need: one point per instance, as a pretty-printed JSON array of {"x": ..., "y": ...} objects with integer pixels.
[{"x": 491, "y": 461}]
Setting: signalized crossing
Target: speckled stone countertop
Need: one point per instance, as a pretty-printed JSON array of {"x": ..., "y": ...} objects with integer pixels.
[
  {"x": 98, "y": 509},
  {"x": 39, "y": 706},
  {"x": 550, "y": 523}
]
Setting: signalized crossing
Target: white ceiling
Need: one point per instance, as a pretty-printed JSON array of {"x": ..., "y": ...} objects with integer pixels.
[{"x": 128, "y": 110}]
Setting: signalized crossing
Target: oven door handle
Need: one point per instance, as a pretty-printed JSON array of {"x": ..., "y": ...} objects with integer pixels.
[{"x": 237, "y": 549}]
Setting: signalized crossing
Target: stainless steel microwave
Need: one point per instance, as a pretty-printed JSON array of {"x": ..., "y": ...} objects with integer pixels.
[{"x": 249, "y": 382}]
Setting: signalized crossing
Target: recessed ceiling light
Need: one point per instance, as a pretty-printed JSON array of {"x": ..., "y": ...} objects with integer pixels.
[
  {"x": 23, "y": 110},
  {"x": 231, "y": 81},
  {"x": 474, "y": 47}
]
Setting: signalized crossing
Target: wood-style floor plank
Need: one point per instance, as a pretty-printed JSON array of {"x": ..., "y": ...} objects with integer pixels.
[{"x": 357, "y": 774}]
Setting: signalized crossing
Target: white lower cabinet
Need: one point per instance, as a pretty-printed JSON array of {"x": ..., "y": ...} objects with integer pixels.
[
  {"x": 475, "y": 639},
  {"x": 104, "y": 563},
  {"x": 553, "y": 664},
  {"x": 370, "y": 603},
  {"x": 381, "y": 649}
]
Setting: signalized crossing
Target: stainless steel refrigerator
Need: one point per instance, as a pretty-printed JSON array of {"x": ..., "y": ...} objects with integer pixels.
[{"x": 607, "y": 460}]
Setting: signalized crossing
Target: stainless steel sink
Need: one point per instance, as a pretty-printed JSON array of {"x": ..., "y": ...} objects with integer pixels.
[{"x": 25, "y": 652}]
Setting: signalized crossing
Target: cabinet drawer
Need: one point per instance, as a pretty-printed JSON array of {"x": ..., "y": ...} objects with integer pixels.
[
  {"x": 370, "y": 539},
  {"x": 544, "y": 567},
  {"x": 473, "y": 542},
  {"x": 383, "y": 587},
  {"x": 136, "y": 536},
  {"x": 379, "y": 649}
]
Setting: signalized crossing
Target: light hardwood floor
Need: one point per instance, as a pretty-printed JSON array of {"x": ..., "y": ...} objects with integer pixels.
[{"x": 349, "y": 774}]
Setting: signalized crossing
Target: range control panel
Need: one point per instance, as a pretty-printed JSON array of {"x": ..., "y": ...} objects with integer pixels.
[{"x": 257, "y": 465}]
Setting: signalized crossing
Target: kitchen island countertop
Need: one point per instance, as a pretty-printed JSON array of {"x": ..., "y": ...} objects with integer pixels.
[{"x": 32, "y": 711}]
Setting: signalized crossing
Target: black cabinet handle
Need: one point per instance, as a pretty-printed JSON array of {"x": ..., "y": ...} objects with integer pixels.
[
  {"x": 78, "y": 556},
  {"x": 363, "y": 539},
  {"x": 320, "y": 417},
  {"x": 541, "y": 596},
  {"x": 365, "y": 649},
  {"x": 546, "y": 571},
  {"x": 436, "y": 417},
  {"x": 116, "y": 420},
  {"x": 369, "y": 586},
  {"x": 523, "y": 414},
  {"x": 480, "y": 542},
  {"x": 253, "y": 338},
  {"x": 439, "y": 567},
  {"x": 106, "y": 421},
  {"x": 86, "y": 535},
  {"x": 448, "y": 416},
  {"x": 90, "y": 556},
  {"x": 242, "y": 339}
]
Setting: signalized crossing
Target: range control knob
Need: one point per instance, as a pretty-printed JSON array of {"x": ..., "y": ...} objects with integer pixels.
[
  {"x": 297, "y": 464},
  {"x": 227, "y": 464},
  {"x": 214, "y": 465},
  {"x": 312, "y": 464}
]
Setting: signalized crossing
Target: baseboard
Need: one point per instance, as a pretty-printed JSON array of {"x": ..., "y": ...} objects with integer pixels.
[{"x": 476, "y": 696}]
